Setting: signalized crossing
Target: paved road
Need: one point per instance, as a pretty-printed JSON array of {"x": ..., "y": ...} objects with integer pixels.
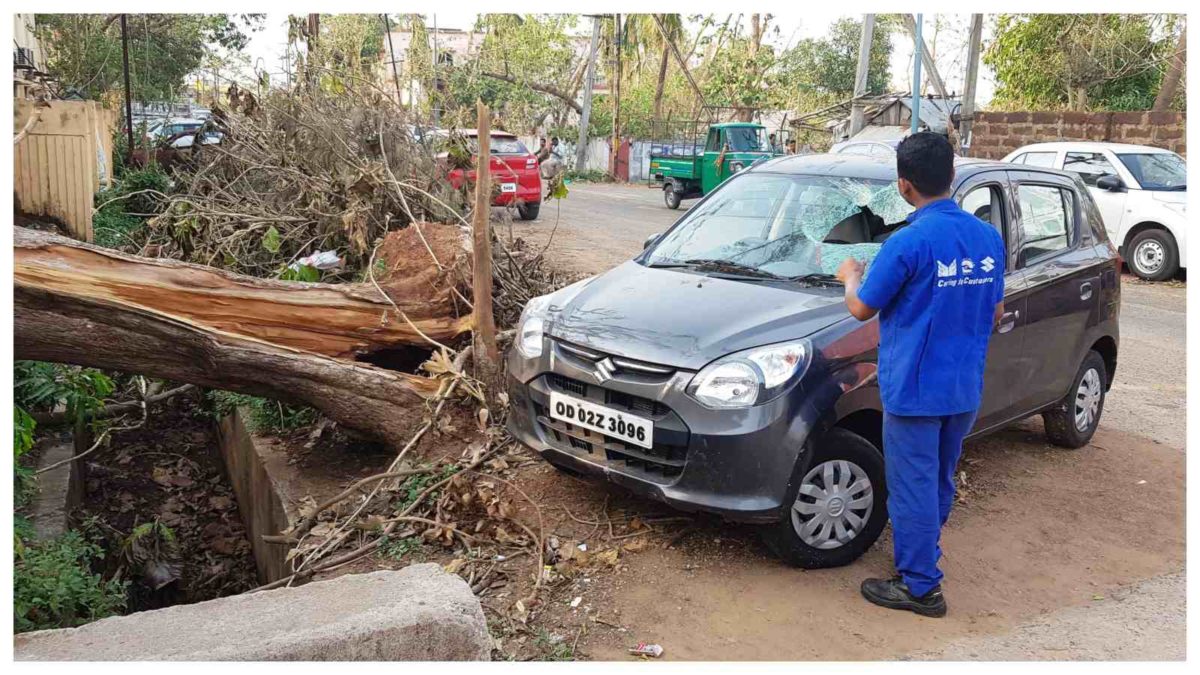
[{"x": 600, "y": 226}]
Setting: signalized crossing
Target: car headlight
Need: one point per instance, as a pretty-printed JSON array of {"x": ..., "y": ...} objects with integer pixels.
[
  {"x": 751, "y": 377},
  {"x": 531, "y": 327},
  {"x": 736, "y": 166}
]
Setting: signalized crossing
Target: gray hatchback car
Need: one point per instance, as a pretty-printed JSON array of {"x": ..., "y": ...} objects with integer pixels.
[{"x": 720, "y": 370}]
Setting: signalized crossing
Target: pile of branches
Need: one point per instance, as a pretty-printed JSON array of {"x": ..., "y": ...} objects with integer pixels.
[{"x": 299, "y": 174}]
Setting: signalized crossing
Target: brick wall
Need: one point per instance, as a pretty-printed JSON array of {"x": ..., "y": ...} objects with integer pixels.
[{"x": 998, "y": 133}]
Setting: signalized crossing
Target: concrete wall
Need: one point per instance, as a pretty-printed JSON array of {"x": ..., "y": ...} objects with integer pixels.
[
  {"x": 419, "y": 613},
  {"x": 998, "y": 133},
  {"x": 258, "y": 497}
]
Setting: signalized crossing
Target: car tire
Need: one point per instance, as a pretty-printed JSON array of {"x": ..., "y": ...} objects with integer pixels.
[
  {"x": 850, "y": 458},
  {"x": 1074, "y": 419},
  {"x": 1153, "y": 255},
  {"x": 529, "y": 211},
  {"x": 671, "y": 197}
]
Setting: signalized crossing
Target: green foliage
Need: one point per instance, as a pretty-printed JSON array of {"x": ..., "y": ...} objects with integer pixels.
[
  {"x": 24, "y": 479},
  {"x": 828, "y": 64},
  {"x": 588, "y": 176},
  {"x": 84, "y": 50},
  {"x": 38, "y": 385},
  {"x": 554, "y": 648},
  {"x": 125, "y": 207},
  {"x": 263, "y": 414},
  {"x": 413, "y": 486},
  {"x": 54, "y": 586},
  {"x": 1080, "y": 61},
  {"x": 300, "y": 273},
  {"x": 399, "y": 549}
]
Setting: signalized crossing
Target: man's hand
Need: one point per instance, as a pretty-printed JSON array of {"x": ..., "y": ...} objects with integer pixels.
[
  {"x": 850, "y": 273},
  {"x": 851, "y": 269}
]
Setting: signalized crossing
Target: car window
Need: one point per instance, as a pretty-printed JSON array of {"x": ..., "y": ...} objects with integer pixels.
[
  {"x": 500, "y": 145},
  {"x": 1038, "y": 158},
  {"x": 1157, "y": 171},
  {"x": 747, "y": 139},
  {"x": 986, "y": 203},
  {"x": 1046, "y": 221},
  {"x": 1089, "y": 165},
  {"x": 714, "y": 141}
]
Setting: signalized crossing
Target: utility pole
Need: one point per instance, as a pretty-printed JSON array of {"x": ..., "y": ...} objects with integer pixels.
[
  {"x": 433, "y": 93},
  {"x": 968, "y": 103},
  {"x": 916, "y": 86},
  {"x": 857, "y": 110},
  {"x": 614, "y": 151},
  {"x": 914, "y": 29},
  {"x": 128, "y": 94},
  {"x": 387, "y": 24},
  {"x": 486, "y": 353},
  {"x": 590, "y": 83}
]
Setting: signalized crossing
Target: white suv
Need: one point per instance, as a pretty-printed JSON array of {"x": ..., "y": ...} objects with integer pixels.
[{"x": 1141, "y": 192}]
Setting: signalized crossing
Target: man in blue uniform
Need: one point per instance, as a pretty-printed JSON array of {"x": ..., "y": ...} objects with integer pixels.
[{"x": 938, "y": 287}]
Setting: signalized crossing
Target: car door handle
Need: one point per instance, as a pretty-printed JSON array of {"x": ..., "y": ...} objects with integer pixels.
[
  {"x": 1008, "y": 321},
  {"x": 1085, "y": 290}
]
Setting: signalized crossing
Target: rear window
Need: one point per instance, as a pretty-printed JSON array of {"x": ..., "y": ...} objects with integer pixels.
[{"x": 502, "y": 145}]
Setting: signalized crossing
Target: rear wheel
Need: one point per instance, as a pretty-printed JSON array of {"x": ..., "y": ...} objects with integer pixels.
[
  {"x": 671, "y": 197},
  {"x": 529, "y": 211},
  {"x": 1073, "y": 421},
  {"x": 1152, "y": 255},
  {"x": 838, "y": 508}
]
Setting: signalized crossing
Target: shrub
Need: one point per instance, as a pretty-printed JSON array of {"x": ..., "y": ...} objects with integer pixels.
[
  {"x": 24, "y": 479},
  {"x": 54, "y": 586},
  {"x": 263, "y": 414}
]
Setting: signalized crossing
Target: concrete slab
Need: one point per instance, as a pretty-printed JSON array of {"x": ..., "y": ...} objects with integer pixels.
[{"x": 419, "y": 613}]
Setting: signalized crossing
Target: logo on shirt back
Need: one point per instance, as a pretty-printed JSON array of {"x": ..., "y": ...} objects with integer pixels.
[
  {"x": 947, "y": 269},
  {"x": 968, "y": 266},
  {"x": 987, "y": 264}
]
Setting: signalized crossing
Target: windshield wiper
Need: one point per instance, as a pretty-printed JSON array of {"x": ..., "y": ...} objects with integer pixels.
[
  {"x": 716, "y": 265},
  {"x": 817, "y": 278}
]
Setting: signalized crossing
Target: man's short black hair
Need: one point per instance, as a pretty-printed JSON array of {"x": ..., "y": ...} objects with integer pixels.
[{"x": 926, "y": 160}]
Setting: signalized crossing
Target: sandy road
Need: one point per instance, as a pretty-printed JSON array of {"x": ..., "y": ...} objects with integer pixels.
[{"x": 1045, "y": 558}]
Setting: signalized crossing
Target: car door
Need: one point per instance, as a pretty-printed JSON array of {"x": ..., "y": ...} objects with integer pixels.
[
  {"x": 987, "y": 196},
  {"x": 1091, "y": 166},
  {"x": 1062, "y": 277}
]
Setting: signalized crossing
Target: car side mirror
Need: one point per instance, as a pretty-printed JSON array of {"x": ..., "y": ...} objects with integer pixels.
[
  {"x": 650, "y": 240},
  {"x": 1109, "y": 182}
]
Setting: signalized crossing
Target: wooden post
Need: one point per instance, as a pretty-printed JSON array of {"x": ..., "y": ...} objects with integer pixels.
[
  {"x": 481, "y": 268},
  {"x": 968, "y": 102},
  {"x": 615, "y": 150},
  {"x": 857, "y": 110}
]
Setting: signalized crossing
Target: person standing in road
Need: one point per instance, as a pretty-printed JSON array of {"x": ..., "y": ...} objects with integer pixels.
[{"x": 938, "y": 288}]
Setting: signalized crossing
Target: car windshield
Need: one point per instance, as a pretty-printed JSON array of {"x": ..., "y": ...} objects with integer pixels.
[
  {"x": 1157, "y": 170},
  {"x": 778, "y": 224},
  {"x": 746, "y": 139}
]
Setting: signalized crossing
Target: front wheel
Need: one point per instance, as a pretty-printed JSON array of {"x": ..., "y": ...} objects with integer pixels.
[
  {"x": 671, "y": 197},
  {"x": 1153, "y": 256},
  {"x": 839, "y": 507},
  {"x": 529, "y": 211},
  {"x": 1073, "y": 421}
]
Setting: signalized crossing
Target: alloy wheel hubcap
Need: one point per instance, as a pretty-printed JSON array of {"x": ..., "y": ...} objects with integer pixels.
[
  {"x": 833, "y": 505},
  {"x": 1087, "y": 400},
  {"x": 1149, "y": 256}
]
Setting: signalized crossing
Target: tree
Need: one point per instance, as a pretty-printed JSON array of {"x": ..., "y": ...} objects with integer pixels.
[
  {"x": 1170, "y": 84},
  {"x": 84, "y": 50},
  {"x": 825, "y": 67},
  {"x": 1080, "y": 61},
  {"x": 737, "y": 74}
]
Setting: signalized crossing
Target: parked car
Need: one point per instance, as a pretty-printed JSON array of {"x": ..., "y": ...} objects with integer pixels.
[
  {"x": 1141, "y": 192},
  {"x": 720, "y": 371},
  {"x": 869, "y": 148},
  {"x": 514, "y": 170}
]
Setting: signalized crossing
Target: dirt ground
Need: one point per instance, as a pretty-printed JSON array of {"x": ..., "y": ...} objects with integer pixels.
[{"x": 1045, "y": 546}]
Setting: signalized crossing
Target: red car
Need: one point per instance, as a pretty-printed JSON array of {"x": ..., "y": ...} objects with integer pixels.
[{"x": 515, "y": 173}]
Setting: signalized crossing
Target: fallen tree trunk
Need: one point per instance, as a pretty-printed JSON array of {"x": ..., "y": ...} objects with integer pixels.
[
  {"x": 80, "y": 304},
  {"x": 424, "y": 273}
]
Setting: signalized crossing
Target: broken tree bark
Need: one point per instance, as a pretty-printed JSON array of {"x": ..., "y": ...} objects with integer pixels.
[
  {"x": 341, "y": 321},
  {"x": 77, "y": 303}
]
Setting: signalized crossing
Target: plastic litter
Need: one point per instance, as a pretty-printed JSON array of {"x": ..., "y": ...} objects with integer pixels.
[
  {"x": 322, "y": 260},
  {"x": 643, "y": 649}
]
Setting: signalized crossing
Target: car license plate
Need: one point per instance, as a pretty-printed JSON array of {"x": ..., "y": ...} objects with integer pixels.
[
  {"x": 508, "y": 187},
  {"x": 602, "y": 419}
]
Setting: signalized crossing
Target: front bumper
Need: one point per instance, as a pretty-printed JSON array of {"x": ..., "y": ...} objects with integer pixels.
[{"x": 734, "y": 463}]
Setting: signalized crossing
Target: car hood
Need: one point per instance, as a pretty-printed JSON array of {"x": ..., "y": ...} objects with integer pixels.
[
  {"x": 1170, "y": 196},
  {"x": 683, "y": 319}
]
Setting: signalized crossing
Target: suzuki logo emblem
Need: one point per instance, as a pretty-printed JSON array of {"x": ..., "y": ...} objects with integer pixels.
[{"x": 604, "y": 370}]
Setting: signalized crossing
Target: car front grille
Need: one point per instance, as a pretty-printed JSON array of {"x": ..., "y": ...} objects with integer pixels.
[{"x": 661, "y": 463}]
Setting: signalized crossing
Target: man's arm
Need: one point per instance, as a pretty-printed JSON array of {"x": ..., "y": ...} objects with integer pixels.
[
  {"x": 997, "y": 314},
  {"x": 853, "y": 279}
]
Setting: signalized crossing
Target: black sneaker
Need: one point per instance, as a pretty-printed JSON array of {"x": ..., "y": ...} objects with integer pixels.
[{"x": 894, "y": 594}]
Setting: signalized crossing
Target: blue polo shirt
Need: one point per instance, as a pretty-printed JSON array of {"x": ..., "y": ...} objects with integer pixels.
[{"x": 935, "y": 283}]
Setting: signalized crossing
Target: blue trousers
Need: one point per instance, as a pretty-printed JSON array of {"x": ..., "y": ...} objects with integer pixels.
[{"x": 920, "y": 456}]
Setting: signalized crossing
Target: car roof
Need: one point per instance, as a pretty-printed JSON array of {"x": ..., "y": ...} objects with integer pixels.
[
  {"x": 184, "y": 120},
  {"x": 494, "y": 133},
  {"x": 1055, "y": 146},
  {"x": 879, "y": 168}
]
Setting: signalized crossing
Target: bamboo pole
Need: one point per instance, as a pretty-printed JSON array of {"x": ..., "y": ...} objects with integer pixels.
[{"x": 485, "y": 323}]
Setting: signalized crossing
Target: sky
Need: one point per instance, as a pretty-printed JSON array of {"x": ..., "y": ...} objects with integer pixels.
[{"x": 950, "y": 47}]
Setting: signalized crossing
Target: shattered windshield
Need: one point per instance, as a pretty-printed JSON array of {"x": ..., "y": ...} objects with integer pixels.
[
  {"x": 1157, "y": 171},
  {"x": 746, "y": 139},
  {"x": 784, "y": 225}
]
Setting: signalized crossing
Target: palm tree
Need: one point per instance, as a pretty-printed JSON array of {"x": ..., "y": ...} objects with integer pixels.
[{"x": 640, "y": 35}]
